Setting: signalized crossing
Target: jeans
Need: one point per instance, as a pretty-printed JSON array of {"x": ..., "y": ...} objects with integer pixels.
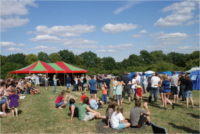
[
  {"x": 153, "y": 91},
  {"x": 75, "y": 86},
  {"x": 182, "y": 92},
  {"x": 55, "y": 87}
]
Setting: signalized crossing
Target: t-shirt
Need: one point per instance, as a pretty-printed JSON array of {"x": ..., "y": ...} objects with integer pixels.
[
  {"x": 68, "y": 80},
  {"x": 166, "y": 86},
  {"x": 115, "y": 119},
  {"x": 28, "y": 90},
  {"x": 174, "y": 80},
  {"x": 59, "y": 99},
  {"x": 82, "y": 97},
  {"x": 82, "y": 111},
  {"x": 93, "y": 104},
  {"x": 188, "y": 85},
  {"x": 107, "y": 81},
  {"x": 155, "y": 81},
  {"x": 104, "y": 90},
  {"x": 133, "y": 81},
  {"x": 92, "y": 84},
  {"x": 109, "y": 113},
  {"x": 125, "y": 80},
  {"x": 114, "y": 88},
  {"x": 135, "y": 115},
  {"x": 182, "y": 80},
  {"x": 138, "y": 77},
  {"x": 145, "y": 80}
]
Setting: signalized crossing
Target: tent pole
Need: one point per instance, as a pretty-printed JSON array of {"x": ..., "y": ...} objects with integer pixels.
[{"x": 64, "y": 79}]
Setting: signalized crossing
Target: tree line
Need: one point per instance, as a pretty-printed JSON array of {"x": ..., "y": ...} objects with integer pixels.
[{"x": 155, "y": 61}]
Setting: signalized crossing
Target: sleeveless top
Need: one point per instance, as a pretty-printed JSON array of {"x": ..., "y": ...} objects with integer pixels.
[{"x": 119, "y": 89}]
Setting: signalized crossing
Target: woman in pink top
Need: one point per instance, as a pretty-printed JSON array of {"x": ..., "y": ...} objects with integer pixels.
[{"x": 61, "y": 101}]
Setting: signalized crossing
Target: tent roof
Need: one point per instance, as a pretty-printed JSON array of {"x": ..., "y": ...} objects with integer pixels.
[
  {"x": 193, "y": 69},
  {"x": 42, "y": 67}
]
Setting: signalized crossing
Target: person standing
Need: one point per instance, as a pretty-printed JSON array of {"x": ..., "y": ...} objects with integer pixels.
[
  {"x": 134, "y": 84},
  {"x": 68, "y": 83},
  {"x": 108, "y": 82},
  {"x": 182, "y": 85},
  {"x": 46, "y": 81},
  {"x": 188, "y": 90},
  {"x": 55, "y": 83},
  {"x": 154, "y": 87},
  {"x": 93, "y": 86},
  {"x": 174, "y": 86},
  {"x": 99, "y": 81},
  {"x": 37, "y": 80},
  {"x": 127, "y": 82}
]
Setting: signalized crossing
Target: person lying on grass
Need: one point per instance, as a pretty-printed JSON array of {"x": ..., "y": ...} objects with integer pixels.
[
  {"x": 110, "y": 109},
  {"x": 73, "y": 108},
  {"x": 139, "y": 116},
  {"x": 61, "y": 101},
  {"x": 95, "y": 104},
  {"x": 117, "y": 120},
  {"x": 86, "y": 114}
]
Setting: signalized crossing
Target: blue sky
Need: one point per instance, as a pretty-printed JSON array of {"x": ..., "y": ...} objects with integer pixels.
[{"x": 107, "y": 28}]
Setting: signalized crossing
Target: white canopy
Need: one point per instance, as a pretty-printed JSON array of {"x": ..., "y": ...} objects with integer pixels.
[
  {"x": 193, "y": 69},
  {"x": 149, "y": 72}
]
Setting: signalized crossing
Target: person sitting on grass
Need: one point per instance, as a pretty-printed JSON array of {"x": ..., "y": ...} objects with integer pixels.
[
  {"x": 95, "y": 104},
  {"x": 139, "y": 116},
  {"x": 61, "y": 101},
  {"x": 86, "y": 114},
  {"x": 28, "y": 91},
  {"x": 73, "y": 108},
  {"x": 13, "y": 97},
  {"x": 117, "y": 120},
  {"x": 104, "y": 93},
  {"x": 109, "y": 111},
  {"x": 83, "y": 96}
]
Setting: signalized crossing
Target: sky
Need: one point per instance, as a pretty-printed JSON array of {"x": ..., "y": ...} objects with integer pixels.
[{"x": 107, "y": 28}]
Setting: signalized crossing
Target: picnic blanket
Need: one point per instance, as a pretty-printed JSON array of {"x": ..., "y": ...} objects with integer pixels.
[{"x": 100, "y": 124}]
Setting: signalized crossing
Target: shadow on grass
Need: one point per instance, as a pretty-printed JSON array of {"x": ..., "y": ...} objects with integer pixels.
[
  {"x": 193, "y": 115},
  {"x": 19, "y": 112},
  {"x": 186, "y": 129}
]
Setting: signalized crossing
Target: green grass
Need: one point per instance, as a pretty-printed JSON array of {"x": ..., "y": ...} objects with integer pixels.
[{"x": 37, "y": 114}]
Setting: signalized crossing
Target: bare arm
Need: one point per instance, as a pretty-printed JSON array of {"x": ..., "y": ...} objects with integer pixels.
[
  {"x": 90, "y": 110},
  {"x": 116, "y": 84}
]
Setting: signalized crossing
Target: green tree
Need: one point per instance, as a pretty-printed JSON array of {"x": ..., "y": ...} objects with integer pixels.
[
  {"x": 135, "y": 60},
  {"x": 146, "y": 57},
  {"x": 79, "y": 60},
  {"x": 54, "y": 57},
  {"x": 177, "y": 58},
  {"x": 192, "y": 63},
  {"x": 195, "y": 55},
  {"x": 89, "y": 58},
  {"x": 118, "y": 66},
  {"x": 31, "y": 58},
  {"x": 109, "y": 63},
  {"x": 67, "y": 56},
  {"x": 125, "y": 63},
  {"x": 43, "y": 57},
  {"x": 3, "y": 60},
  {"x": 17, "y": 58},
  {"x": 99, "y": 63}
]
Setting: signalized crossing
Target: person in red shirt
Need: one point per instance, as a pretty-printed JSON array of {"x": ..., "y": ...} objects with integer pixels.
[
  {"x": 83, "y": 96},
  {"x": 61, "y": 101}
]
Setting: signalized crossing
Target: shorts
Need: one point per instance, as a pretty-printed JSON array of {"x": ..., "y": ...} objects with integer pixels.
[
  {"x": 99, "y": 85},
  {"x": 119, "y": 97},
  {"x": 188, "y": 94},
  {"x": 89, "y": 116},
  {"x": 121, "y": 125},
  {"x": 75, "y": 111},
  {"x": 14, "y": 107},
  {"x": 134, "y": 91},
  {"x": 68, "y": 85},
  {"x": 126, "y": 89},
  {"x": 3, "y": 101},
  {"x": 114, "y": 91},
  {"x": 99, "y": 105},
  {"x": 59, "y": 104},
  {"x": 140, "y": 122},
  {"x": 167, "y": 94},
  {"x": 37, "y": 83},
  {"x": 108, "y": 92},
  {"x": 174, "y": 90},
  {"x": 93, "y": 91},
  {"x": 161, "y": 89}
]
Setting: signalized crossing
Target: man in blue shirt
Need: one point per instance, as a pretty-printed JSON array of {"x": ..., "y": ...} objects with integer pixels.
[
  {"x": 93, "y": 86},
  {"x": 68, "y": 83}
]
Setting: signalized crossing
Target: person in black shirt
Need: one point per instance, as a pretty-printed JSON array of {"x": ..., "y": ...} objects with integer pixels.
[
  {"x": 188, "y": 90},
  {"x": 182, "y": 85},
  {"x": 107, "y": 81},
  {"x": 68, "y": 83},
  {"x": 127, "y": 82}
]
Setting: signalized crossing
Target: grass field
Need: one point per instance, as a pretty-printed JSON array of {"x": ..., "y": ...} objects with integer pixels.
[{"x": 37, "y": 114}]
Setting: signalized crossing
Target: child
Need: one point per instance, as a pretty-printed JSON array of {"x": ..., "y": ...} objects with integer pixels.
[
  {"x": 119, "y": 91},
  {"x": 61, "y": 101},
  {"x": 117, "y": 121},
  {"x": 29, "y": 88},
  {"x": 83, "y": 96},
  {"x": 109, "y": 111},
  {"x": 95, "y": 104},
  {"x": 46, "y": 81},
  {"x": 73, "y": 108},
  {"x": 104, "y": 93},
  {"x": 13, "y": 97},
  {"x": 139, "y": 91},
  {"x": 114, "y": 87}
]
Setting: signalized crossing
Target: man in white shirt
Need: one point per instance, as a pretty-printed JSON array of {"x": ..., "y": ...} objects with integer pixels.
[
  {"x": 154, "y": 87},
  {"x": 138, "y": 77}
]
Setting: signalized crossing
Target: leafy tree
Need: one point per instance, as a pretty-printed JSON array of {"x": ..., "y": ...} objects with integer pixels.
[
  {"x": 135, "y": 60},
  {"x": 3, "y": 60},
  {"x": 43, "y": 57},
  {"x": 192, "y": 63},
  {"x": 195, "y": 55},
  {"x": 118, "y": 66},
  {"x": 89, "y": 58},
  {"x": 17, "y": 58},
  {"x": 109, "y": 63},
  {"x": 177, "y": 58},
  {"x": 67, "y": 56},
  {"x": 54, "y": 57},
  {"x": 146, "y": 57},
  {"x": 79, "y": 60},
  {"x": 31, "y": 58},
  {"x": 125, "y": 63},
  {"x": 99, "y": 63}
]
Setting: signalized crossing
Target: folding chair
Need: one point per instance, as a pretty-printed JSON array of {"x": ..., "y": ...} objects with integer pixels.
[{"x": 158, "y": 129}]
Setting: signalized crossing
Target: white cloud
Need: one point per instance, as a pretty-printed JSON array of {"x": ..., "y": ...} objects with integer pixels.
[
  {"x": 21, "y": 45},
  {"x": 111, "y": 51},
  {"x": 65, "y": 31},
  {"x": 188, "y": 47},
  {"x": 197, "y": 34},
  {"x": 143, "y": 31},
  {"x": 29, "y": 32},
  {"x": 105, "y": 51},
  {"x": 152, "y": 48},
  {"x": 198, "y": 16},
  {"x": 122, "y": 46},
  {"x": 7, "y": 44},
  {"x": 181, "y": 12},
  {"x": 14, "y": 49},
  {"x": 192, "y": 22},
  {"x": 136, "y": 35},
  {"x": 126, "y": 6},
  {"x": 169, "y": 39},
  {"x": 117, "y": 28},
  {"x": 76, "y": 51},
  {"x": 11, "y": 10},
  {"x": 47, "y": 39},
  {"x": 45, "y": 49}
]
